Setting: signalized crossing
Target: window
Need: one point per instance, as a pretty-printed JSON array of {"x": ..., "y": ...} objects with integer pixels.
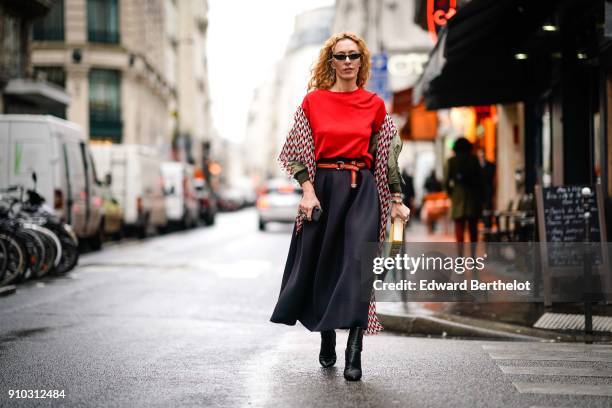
[
  {"x": 51, "y": 26},
  {"x": 105, "y": 104},
  {"x": 55, "y": 75},
  {"x": 103, "y": 21}
]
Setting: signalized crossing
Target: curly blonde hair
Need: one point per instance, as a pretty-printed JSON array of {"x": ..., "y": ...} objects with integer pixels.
[{"x": 323, "y": 76}]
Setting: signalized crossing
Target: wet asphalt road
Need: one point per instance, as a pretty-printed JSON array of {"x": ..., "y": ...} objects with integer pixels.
[{"x": 182, "y": 320}]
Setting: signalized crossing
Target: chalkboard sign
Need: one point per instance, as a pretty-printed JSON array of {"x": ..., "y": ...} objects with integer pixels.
[
  {"x": 560, "y": 212},
  {"x": 564, "y": 214}
]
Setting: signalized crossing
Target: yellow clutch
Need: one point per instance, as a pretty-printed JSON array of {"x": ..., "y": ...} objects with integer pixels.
[{"x": 397, "y": 231}]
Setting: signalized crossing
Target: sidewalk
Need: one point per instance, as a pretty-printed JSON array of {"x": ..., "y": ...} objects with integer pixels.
[
  {"x": 510, "y": 321},
  {"x": 417, "y": 232}
]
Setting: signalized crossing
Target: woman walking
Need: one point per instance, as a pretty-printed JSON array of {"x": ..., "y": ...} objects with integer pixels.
[
  {"x": 464, "y": 183},
  {"x": 343, "y": 150}
]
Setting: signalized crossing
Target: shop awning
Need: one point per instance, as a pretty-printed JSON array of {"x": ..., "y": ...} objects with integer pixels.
[
  {"x": 492, "y": 51},
  {"x": 418, "y": 123}
]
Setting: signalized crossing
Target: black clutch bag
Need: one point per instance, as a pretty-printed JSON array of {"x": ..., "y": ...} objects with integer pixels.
[{"x": 316, "y": 213}]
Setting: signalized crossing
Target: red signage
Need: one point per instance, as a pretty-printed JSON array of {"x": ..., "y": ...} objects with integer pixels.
[{"x": 438, "y": 13}]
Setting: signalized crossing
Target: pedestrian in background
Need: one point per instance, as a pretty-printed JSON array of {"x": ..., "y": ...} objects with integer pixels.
[
  {"x": 432, "y": 184},
  {"x": 435, "y": 202},
  {"x": 464, "y": 184},
  {"x": 342, "y": 149}
]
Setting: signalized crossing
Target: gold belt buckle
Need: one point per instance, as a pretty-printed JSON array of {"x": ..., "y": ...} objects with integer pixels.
[{"x": 339, "y": 165}]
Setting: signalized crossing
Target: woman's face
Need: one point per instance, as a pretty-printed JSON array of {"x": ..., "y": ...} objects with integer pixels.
[{"x": 346, "y": 69}]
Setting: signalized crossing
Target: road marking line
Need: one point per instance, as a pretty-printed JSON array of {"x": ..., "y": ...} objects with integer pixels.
[
  {"x": 563, "y": 389},
  {"x": 561, "y": 371}
]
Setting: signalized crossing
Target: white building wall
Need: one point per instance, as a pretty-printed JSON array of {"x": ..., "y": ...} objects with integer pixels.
[
  {"x": 398, "y": 31},
  {"x": 75, "y": 21},
  {"x": 259, "y": 145},
  {"x": 385, "y": 25},
  {"x": 295, "y": 74}
]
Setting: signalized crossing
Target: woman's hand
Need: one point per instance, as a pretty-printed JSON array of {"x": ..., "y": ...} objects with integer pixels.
[
  {"x": 309, "y": 200},
  {"x": 400, "y": 210}
]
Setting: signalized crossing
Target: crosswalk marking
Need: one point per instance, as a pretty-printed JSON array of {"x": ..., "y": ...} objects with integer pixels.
[
  {"x": 563, "y": 389},
  {"x": 550, "y": 357},
  {"x": 574, "y": 348},
  {"x": 560, "y": 353},
  {"x": 560, "y": 371}
]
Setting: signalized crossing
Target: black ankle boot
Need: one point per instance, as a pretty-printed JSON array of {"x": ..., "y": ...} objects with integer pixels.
[
  {"x": 352, "y": 368},
  {"x": 327, "y": 355}
]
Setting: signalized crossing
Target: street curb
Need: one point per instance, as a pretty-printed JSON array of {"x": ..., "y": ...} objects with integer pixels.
[
  {"x": 461, "y": 326},
  {"x": 7, "y": 290}
]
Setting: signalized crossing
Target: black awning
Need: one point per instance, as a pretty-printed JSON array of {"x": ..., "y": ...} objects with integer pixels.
[{"x": 492, "y": 51}]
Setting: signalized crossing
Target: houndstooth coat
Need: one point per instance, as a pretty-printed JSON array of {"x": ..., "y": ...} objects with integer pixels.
[{"x": 299, "y": 146}]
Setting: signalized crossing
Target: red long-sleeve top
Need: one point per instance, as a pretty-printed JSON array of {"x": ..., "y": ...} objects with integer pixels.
[{"x": 342, "y": 122}]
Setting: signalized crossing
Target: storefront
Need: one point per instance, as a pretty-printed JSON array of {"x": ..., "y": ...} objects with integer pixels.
[{"x": 543, "y": 69}]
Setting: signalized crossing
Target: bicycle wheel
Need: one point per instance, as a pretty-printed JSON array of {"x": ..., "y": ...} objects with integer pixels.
[
  {"x": 3, "y": 259},
  {"x": 51, "y": 245},
  {"x": 16, "y": 261},
  {"x": 35, "y": 252},
  {"x": 70, "y": 249}
]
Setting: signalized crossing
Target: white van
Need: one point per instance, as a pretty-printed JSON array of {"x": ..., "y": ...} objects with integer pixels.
[
  {"x": 136, "y": 183},
  {"x": 58, "y": 152},
  {"x": 181, "y": 199}
]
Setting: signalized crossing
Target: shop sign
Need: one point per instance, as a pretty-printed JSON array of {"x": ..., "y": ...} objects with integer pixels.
[
  {"x": 438, "y": 14},
  {"x": 407, "y": 64},
  {"x": 379, "y": 80}
]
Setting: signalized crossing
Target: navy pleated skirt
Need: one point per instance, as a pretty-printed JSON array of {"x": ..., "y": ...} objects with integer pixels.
[{"x": 322, "y": 286}]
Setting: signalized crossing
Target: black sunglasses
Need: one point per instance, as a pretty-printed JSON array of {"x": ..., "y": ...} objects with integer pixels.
[{"x": 343, "y": 57}]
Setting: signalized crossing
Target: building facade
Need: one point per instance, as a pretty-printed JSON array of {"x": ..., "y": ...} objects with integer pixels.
[
  {"x": 194, "y": 120},
  {"x": 119, "y": 62},
  {"x": 259, "y": 146},
  {"x": 20, "y": 91}
]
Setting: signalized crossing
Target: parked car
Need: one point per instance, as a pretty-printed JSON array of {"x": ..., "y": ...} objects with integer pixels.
[
  {"x": 231, "y": 199},
  {"x": 134, "y": 175},
  {"x": 57, "y": 151},
  {"x": 250, "y": 196},
  {"x": 207, "y": 201},
  {"x": 179, "y": 188},
  {"x": 242, "y": 187},
  {"x": 278, "y": 202}
]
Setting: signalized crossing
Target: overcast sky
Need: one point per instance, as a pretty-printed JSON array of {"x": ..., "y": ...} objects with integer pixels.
[{"x": 245, "y": 39}]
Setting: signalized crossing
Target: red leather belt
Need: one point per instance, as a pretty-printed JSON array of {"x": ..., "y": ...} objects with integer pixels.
[{"x": 353, "y": 166}]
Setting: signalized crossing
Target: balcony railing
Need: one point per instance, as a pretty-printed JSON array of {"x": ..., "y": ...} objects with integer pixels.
[
  {"x": 48, "y": 33},
  {"x": 103, "y": 36}
]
